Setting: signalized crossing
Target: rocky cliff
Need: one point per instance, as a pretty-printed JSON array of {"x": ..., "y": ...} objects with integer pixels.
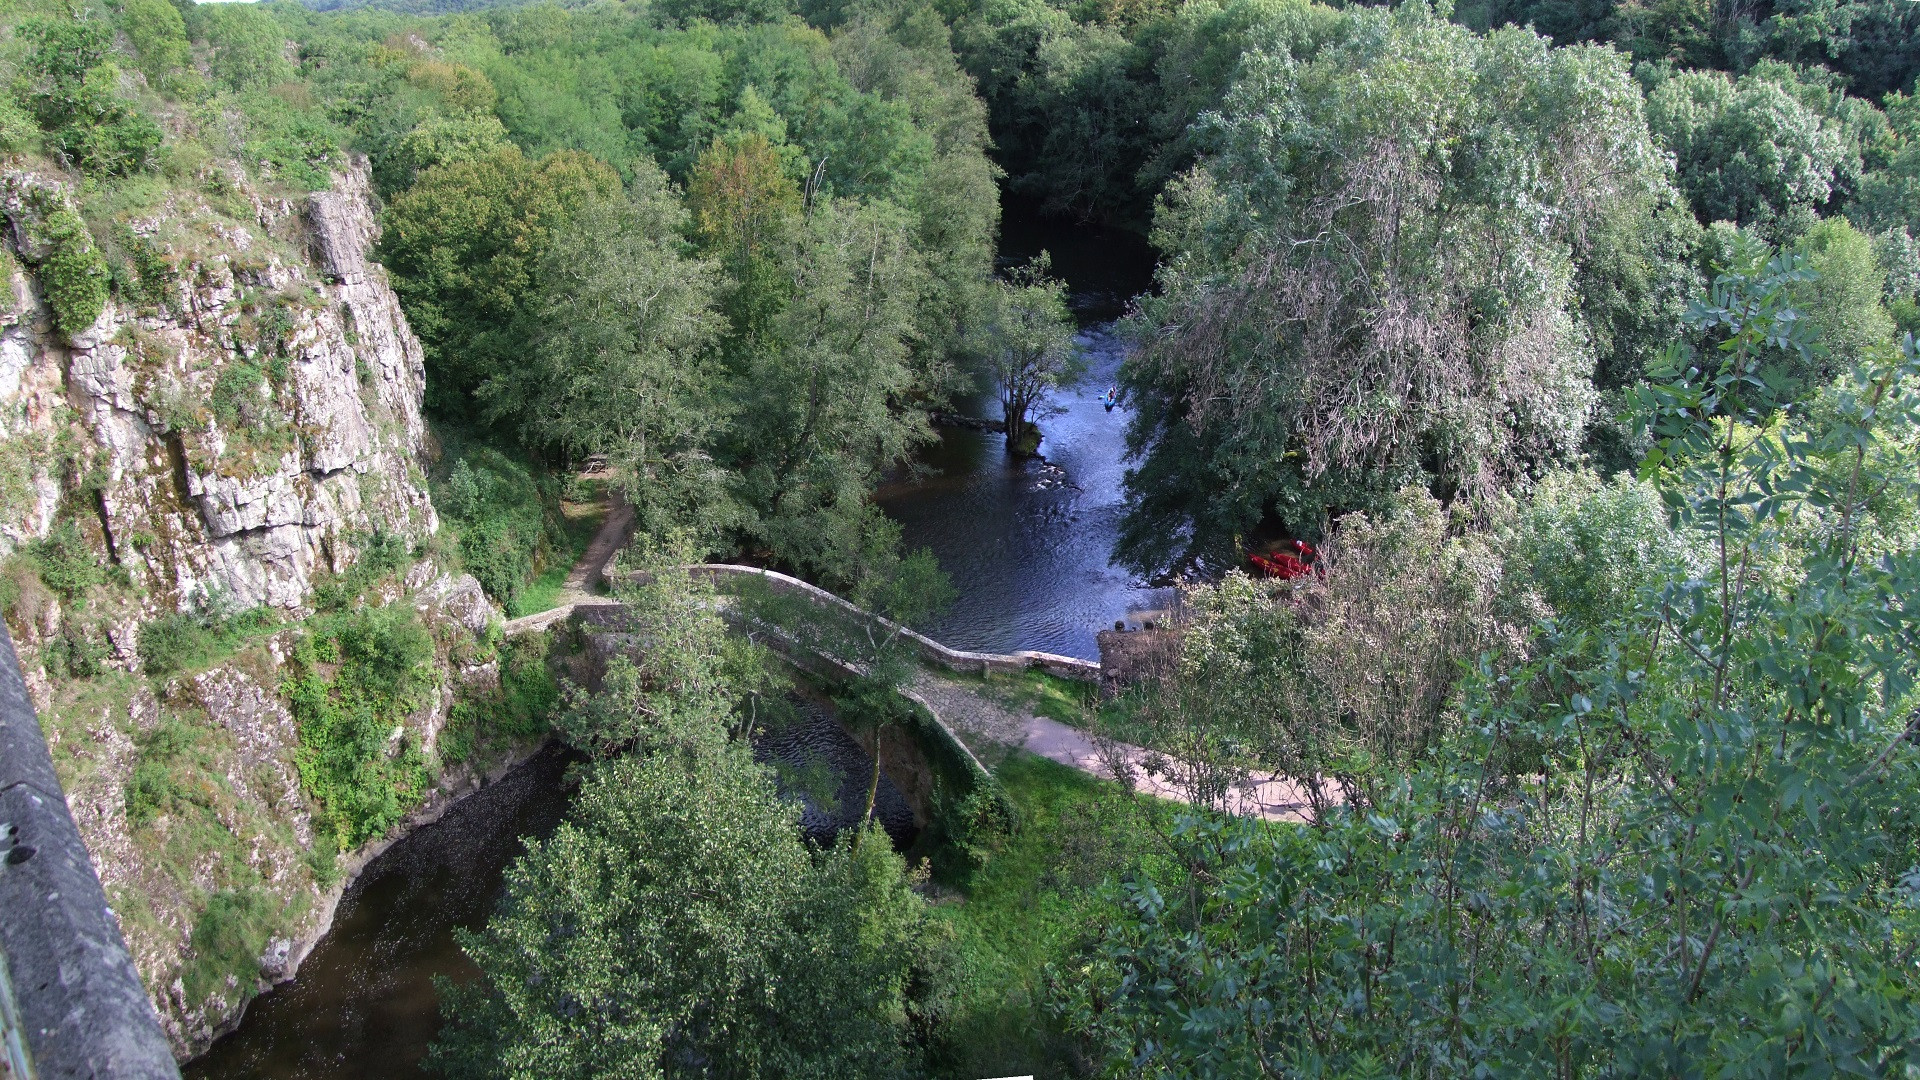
[
  {"x": 237, "y": 433},
  {"x": 241, "y": 417}
]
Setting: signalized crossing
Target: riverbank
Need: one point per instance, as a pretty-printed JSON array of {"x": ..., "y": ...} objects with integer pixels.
[{"x": 362, "y": 1004}]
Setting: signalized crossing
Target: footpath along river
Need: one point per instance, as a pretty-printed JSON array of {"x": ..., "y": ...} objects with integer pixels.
[{"x": 1026, "y": 542}]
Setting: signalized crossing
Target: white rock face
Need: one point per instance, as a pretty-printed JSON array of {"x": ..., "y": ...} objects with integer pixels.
[{"x": 250, "y": 432}]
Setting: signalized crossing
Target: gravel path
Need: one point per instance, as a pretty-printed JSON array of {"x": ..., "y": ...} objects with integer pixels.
[
  {"x": 990, "y": 729},
  {"x": 587, "y": 575}
]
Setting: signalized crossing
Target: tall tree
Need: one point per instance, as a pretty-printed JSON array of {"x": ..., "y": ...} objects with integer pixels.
[
  {"x": 825, "y": 408},
  {"x": 677, "y": 926},
  {"x": 465, "y": 243},
  {"x": 624, "y": 339},
  {"x": 1352, "y": 303},
  {"x": 1030, "y": 348}
]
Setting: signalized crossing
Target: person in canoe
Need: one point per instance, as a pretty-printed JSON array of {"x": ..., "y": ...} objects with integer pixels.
[
  {"x": 1286, "y": 565},
  {"x": 1110, "y": 398}
]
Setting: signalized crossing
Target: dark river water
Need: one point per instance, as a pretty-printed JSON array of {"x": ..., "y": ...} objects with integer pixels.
[
  {"x": 1026, "y": 543},
  {"x": 363, "y": 1004}
]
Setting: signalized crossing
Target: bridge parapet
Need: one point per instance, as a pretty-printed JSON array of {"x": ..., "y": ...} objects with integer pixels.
[{"x": 72, "y": 997}]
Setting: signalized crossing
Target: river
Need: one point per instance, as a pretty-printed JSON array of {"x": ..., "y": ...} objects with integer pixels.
[
  {"x": 1026, "y": 542},
  {"x": 363, "y": 1004}
]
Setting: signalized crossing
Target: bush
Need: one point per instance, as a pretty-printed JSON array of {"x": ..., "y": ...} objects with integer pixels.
[
  {"x": 142, "y": 274},
  {"x": 155, "y": 787},
  {"x": 227, "y": 941},
  {"x": 303, "y": 149},
  {"x": 237, "y": 399},
  {"x": 354, "y": 758},
  {"x": 381, "y": 554},
  {"x": 74, "y": 654},
  {"x": 158, "y": 35},
  {"x": 66, "y": 562},
  {"x": 246, "y": 46},
  {"x": 183, "y": 639},
  {"x": 976, "y": 827},
  {"x": 76, "y": 98},
  {"x": 74, "y": 277},
  {"x": 522, "y": 707},
  {"x": 502, "y": 514},
  {"x": 174, "y": 641}
]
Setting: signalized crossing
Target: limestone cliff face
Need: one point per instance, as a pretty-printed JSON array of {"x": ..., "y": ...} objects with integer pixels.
[
  {"x": 241, "y": 420},
  {"x": 244, "y": 428}
]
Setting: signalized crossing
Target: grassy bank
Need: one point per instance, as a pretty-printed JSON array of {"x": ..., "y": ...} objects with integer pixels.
[
  {"x": 1024, "y": 911},
  {"x": 579, "y": 521}
]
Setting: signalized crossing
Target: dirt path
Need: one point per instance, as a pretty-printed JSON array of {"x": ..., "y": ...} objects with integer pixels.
[
  {"x": 980, "y": 720},
  {"x": 587, "y": 575}
]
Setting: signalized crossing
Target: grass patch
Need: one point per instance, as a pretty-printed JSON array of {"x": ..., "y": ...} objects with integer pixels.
[
  {"x": 196, "y": 840},
  {"x": 522, "y": 708},
  {"x": 360, "y": 675},
  {"x": 513, "y": 531},
  {"x": 1026, "y": 909},
  {"x": 171, "y": 773},
  {"x": 1043, "y": 694},
  {"x": 228, "y": 938},
  {"x": 1076, "y": 704},
  {"x": 189, "y": 640}
]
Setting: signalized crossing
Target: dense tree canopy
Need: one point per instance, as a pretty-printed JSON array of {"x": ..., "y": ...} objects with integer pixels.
[
  {"x": 735, "y": 254},
  {"x": 1353, "y": 303},
  {"x": 677, "y": 926},
  {"x": 1668, "y": 829},
  {"x": 1603, "y": 770}
]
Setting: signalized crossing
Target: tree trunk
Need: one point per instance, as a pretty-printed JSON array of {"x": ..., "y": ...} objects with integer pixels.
[{"x": 873, "y": 782}]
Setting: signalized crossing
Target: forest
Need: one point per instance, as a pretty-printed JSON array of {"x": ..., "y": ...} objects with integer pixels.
[{"x": 1580, "y": 338}]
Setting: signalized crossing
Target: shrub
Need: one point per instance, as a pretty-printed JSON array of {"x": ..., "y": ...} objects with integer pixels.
[
  {"x": 245, "y": 46},
  {"x": 155, "y": 787},
  {"x": 381, "y": 554},
  {"x": 227, "y": 941},
  {"x": 174, "y": 641},
  {"x": 76, "y": 101},
  {"x": 522, "y": 707},
  {"x": 74, "y": 277},
  {"x": 181, "y": 640},
  {"x": 74, "y": 654},
  {"x": 142, "y": 274},
  {"x": 302, "y": 148},
  {"x": 349, "y": 758},
  {"x": 66, "y": 562},
  {"x": 501, "y": 513},
  {"x": 237, "y": 399},
  {"x": 158, "y": 35},
  {"x": 976, "y": 827}
]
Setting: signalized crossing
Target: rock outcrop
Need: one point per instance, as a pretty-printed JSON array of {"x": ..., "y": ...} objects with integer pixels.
[
  {"x": 240, "y": 422},
  {"x": 242, "y": 426}
]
